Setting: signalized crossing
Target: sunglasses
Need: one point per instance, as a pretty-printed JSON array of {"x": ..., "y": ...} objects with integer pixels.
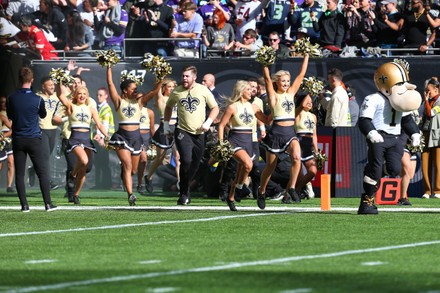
[
  {"x": 247, "y": 38},
  {"x": 273, "y": 40}
]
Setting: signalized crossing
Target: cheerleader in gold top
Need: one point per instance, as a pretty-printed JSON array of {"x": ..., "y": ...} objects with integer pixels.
[
  {"x": 240, "y": 118},
  {"x": 80, "y": 114},
  {"x": 160, "y": 140},
  {"x": 305, "y": 127},
  {"x": 282, "y": 137},
  {"x": 147, "y": 131},
  {"x": 6, "y": 126},
  {"x": 127, "y": 139}
]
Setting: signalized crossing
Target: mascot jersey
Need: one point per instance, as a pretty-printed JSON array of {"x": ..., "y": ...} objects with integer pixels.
[
  {"x": 244, "y": 117},
  {"x": 284, "y": 109},
  {"x": 145, "y": 119},
  {"x": 384, "y": 118},
  {"x": 129, "y": 112}
]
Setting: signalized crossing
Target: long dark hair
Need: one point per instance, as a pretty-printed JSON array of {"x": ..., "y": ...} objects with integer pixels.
[{"x": 76, "y": 29}]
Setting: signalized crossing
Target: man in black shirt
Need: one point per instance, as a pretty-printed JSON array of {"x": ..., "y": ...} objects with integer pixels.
[{"x": 25, "y": 108}]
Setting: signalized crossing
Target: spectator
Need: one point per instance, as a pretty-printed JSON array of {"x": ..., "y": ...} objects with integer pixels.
[
  {"x": 51, "y": 19},
  {"x": 207, "y": 10},
  {"x": 188, "y": 25},
  {"x": 360, "y": 31},
  {"x": 250, "y": 43},
  {"x": 275, "y": 42},
  {"x": 275, "y": 18},
  {"x": 159, "y": 21},
  {"x": 209, "y": 81},
  {"x": 246, "y": 13},
  {"x": 17, "y": 8},
  {"x": 430, "y": 128},
  {"x": 220, "y": 35},
  {"x": 79, "y": 35},
  {"x": 352, "y": 105},
  {"x": 331, "y": 27},
  {"x": 415, "y": 25},
  {"x": 300, "y": 17},
  {"x": 112, "y": 27},
  {"x": 389, "y": 37},
  {"x": 337, "y": 107},
  {"x": 34, "y": 39}
]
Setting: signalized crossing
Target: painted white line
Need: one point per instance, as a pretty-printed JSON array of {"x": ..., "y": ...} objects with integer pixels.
[
  {"x": 299, "y": 290},
  {"x": 216, "y": 268},
  {"x": 147, "y": 262},
  {"x": 37, "y": 261},
  {"x": 374, "y": 263},
  {"x": 133, "y": 225},
  {"x": 162, "y": 290},
  {"x": 281, "y": 208}
]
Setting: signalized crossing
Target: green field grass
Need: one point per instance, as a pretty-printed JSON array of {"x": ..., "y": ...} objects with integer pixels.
[{"x": 157, "y": 247}]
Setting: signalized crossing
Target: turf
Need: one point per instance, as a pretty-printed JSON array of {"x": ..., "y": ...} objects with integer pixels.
[{"x": 157, "y": 248}]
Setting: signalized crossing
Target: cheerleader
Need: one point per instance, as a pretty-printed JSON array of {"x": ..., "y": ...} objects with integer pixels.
[
  {"x": 6, "y": 131},
  {"x": 147, "y": 131},
  {"x": 80, "y": 112},
  {"x": 282, "y": 137},
  {"x": 160, "y": 140},
  {"x": 240, "y": 117},
  {"x": 127, "y": 139},
  {"x": 305, "y": 128}
]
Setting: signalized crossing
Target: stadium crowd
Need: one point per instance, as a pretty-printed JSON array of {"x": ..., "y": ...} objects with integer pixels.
[{"x": 218, "y": 28}]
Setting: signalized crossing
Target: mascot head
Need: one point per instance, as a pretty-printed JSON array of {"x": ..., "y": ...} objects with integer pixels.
[{"x": 392, "y": 80}]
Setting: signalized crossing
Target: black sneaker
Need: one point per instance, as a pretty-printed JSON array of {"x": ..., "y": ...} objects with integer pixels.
[
  {"x": 76, "y": 200},
  {"x": 132, "y": 199},
  {"x": 69, "y": 196},
  {"x": 231, "y": 204},
  {"x": 10, "y": 189},
  {"x": 25, "y": 209},
  {"x": 403, "y": 202},
  {"x": 183, "y": 200},
  {"x": 50, "y": 207},
  {"x": 141, "y": 190},
  {"x": 287, "y": 199},
  {"x": 367, "y": 206},
  {"x": 148, "y": 184},
  {"x": 294, "y": 195},
  {"x": 53, "y": 186},
  {"x": 241, "y": 193}
]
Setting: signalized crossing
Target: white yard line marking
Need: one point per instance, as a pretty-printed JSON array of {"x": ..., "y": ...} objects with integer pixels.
[
  {"x": 37, "y": 261},
  {"x": 147, "y": 262},
  {"x": 216, "y": 268},
  {"x": 133, "y": 225},
  {"x": 374, "y": 263},
  {"x": 162, "y": 290}
]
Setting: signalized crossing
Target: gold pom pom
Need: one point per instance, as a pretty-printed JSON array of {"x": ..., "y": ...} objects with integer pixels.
[
  {"x": 417, "y": 149},
  {"x": 156, "y": 65},
  {"x": 107, "y": 58},
  {"x": 303, "y": 46},
  {"x": 4, "y": 141},
  {"x": 151, "y": 152},
  {"x": 139, "y": 80},
  {"x": 222, "y": 151},
  {"x": 312, "y": 85},
  {"x": 266, "y": 55},
  {"x": 59, "y": 75},
  {"x": 320, "y": 159}
]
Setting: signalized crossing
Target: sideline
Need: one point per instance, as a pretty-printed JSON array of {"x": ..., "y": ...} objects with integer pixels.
[
  {"x": 216, "y": 268},
  {"x": 132, "y": 225}
]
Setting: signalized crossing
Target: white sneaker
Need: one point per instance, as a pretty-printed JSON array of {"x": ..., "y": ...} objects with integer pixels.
[
  {"x": 309, "y": 191},
  {"x": 437, "y": 195},
  {"x": 425, "y": 196}
]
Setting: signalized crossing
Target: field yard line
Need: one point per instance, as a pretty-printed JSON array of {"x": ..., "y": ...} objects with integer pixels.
[
  {"x": 134, "y": 225},
  {"x": 216, "y": 268}
]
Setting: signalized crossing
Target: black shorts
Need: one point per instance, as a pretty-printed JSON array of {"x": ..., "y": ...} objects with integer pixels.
[
  {"x": 129, "y": 140},
  {"x": 241, "y": 141},
  {"x": 80, "y": 139},
  {"x": 161, "y": 140},
  {"x": 278, "y": 138}
]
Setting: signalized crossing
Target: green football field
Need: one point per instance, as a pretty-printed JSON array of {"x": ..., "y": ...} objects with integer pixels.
[{"x": 104, "y": 245}]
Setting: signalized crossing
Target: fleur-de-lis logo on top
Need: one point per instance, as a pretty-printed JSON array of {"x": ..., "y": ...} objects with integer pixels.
[
  {"x": 288, "y": 105},
  {"x": 129, "y": 111},
  {"x": 82, "y": 117},
  {"x": 50, "y": 104},
  {"x": 190, "y": 103},
  {"x": 246, "y": 117},
  {"x": 309, "y": 123},
  {"x": 143, "y": 118}
]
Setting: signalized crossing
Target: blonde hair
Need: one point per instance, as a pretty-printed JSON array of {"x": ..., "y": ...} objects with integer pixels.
[
  {"x": 75, "y": 92},
  {"x": 276, "y": 77},
  {"x": 237, "y": 91},
  {"x": 166, "y": 81}
]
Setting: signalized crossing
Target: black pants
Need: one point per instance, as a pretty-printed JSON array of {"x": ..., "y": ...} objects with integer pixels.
[
  {"x": 102, "y": 168},
  {"x": 23, "y": 147},
  {"x": 191, "y": 149}
]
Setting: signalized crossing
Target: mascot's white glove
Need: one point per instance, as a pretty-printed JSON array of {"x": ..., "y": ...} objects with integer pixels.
[
  {"x": 415, "y": 139},
  {"x": 166, "y": 128},
  {"x": 374, "y": 136},
  {"x": 206, "y": 125}
]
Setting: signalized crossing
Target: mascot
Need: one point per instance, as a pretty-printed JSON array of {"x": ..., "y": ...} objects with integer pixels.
[{"x": 381, "y": 118}]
